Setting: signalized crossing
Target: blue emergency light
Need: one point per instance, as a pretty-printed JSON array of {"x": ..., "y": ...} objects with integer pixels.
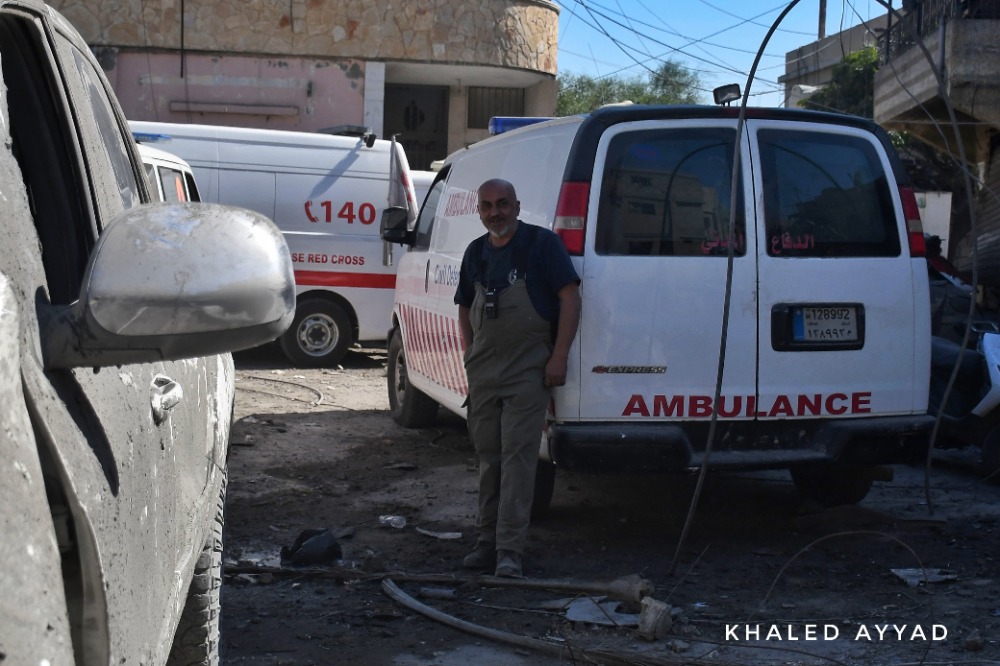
[
  {"x": 501, "y": 124},
  {"x": 149, "y": 137}
]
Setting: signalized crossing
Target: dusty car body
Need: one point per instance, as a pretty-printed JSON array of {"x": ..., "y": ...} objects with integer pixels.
[{"x": 116, "y": 385}]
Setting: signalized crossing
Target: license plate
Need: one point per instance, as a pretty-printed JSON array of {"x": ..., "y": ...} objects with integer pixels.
[{"x": 836, "y": 323}]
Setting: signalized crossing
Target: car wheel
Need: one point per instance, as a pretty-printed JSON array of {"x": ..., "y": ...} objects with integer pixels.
[
  {"x": 545, "y": 484},
  {"x": 319, "y": 335},
  {"x": 196, "y": 641},
  {"x": 832, "y": 486},
  {"x": 408, "y": 406}
]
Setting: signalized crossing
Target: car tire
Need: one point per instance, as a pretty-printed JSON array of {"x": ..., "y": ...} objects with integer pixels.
[
  {"x": 196, "y": 641},
  {"x": 319, "y": 335},
  {"x": 832, "y": 486},
  {"x": 545, "y": 484},
  {"x": 408, "y": 406}
]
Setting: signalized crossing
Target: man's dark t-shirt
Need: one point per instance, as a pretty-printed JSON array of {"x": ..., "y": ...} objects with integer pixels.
[{"x": 538, "y": 252}]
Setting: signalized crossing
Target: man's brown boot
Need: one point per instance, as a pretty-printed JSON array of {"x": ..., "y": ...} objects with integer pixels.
[
  {"x": 509, "y": 564},
  {"x": 484, "y": 556}
]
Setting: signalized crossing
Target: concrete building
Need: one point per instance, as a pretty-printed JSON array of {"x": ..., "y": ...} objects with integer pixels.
[
  {"x": 810, "y": 67},
  {"x": 962, "y": 40},
  {"x": 432, "y": 71}
]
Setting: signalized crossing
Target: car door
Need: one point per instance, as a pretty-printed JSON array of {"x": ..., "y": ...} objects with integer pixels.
[
  {"x": 654, "y": 276},
  {"x": 425, "y": 305},
  {"x": 837, "y": 297},
  {"x": 136, "y": 445}
]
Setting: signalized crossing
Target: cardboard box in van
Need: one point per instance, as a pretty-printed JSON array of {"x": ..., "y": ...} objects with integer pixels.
[
  {"x": 827, "y": 338},
  {"x": 326, "y": 193}
]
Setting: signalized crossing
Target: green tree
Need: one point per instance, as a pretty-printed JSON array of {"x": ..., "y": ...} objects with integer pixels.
[
  {"x": 851, "y": 88},
  {"x": 670, "y": 83}
]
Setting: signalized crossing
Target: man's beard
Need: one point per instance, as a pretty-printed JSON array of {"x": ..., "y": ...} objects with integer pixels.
[{"x": 501, "y": 231}]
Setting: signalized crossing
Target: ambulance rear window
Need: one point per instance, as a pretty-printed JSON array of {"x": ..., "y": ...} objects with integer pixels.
[
  {"x": 667, "y": 193},
  {"x": 825, "y": 195}
]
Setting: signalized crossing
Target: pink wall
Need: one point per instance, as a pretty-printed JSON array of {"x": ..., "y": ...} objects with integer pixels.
[{"x": 276, "y": 93}]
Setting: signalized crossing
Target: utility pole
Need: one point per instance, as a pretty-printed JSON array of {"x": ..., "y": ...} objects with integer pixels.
[{"x": 822, "y": 19}]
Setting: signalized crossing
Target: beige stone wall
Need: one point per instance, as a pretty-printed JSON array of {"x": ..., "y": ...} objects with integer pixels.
[{"x": 510, "y": 33}]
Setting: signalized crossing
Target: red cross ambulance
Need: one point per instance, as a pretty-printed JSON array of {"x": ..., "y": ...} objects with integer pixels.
[
  {"x": 325, "y": 192},
  {"x": 827, "y": 342}
]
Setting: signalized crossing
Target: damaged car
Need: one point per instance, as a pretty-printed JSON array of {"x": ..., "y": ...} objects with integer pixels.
[{"x": 117, "y": 316}]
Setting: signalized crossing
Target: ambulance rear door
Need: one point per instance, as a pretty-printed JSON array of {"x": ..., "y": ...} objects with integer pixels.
[
  {"x": 839, "y": 307},
  {"x": 654, "y": 276}
]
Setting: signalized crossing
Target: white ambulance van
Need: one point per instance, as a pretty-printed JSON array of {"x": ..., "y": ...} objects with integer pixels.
[
  {"x": 422, "y": 181},
  {"x": 326, "y": 193},
  {"x": 827, "y": 351},
  {"x": 170, "y": 178}
]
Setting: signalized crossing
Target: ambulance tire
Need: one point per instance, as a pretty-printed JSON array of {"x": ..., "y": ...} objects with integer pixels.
[
  {"x": 545, "y": 485},
  {"x": 408, "y": 406},
  {"x": 832, "y": 486},
  {"x": 319, "y": 336}
]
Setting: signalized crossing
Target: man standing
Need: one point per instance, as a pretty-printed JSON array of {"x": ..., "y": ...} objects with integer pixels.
[{"x": 518, "y": 309}]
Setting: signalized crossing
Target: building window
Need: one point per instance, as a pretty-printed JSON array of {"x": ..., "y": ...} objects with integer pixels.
[{"x": 484, "y": 103}]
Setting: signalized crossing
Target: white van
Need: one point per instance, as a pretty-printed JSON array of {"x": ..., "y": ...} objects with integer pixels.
[
  {"x": 326, "y": 193},
  {"x": 170, "y": 177},
  {"x": 827, "y": 351},
  {"x": 422, "y": 181}
]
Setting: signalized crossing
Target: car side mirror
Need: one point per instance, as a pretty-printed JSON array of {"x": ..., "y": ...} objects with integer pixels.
[
  {"x": 168, "y": 282},
  {"x": 394, "y": 225}
]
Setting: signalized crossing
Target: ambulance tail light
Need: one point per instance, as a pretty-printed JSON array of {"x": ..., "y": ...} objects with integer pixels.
[
  {"x": 571, "y": 215},
  {"x": 914, "y": 227}
]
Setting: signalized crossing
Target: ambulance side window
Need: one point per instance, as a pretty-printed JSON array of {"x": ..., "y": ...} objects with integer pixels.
[
  {"x": 172, "y": 182},
  {"x": 192, "y": 187},
  {"x": 667, "y": 193},
  {"x": 826, "y": 194},
  {"x": 425, "y": 222},
  {"x": 151, "y": 180}
]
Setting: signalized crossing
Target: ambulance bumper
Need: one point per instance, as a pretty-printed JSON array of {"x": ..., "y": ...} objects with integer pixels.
[{"x": 672, "y": 447}]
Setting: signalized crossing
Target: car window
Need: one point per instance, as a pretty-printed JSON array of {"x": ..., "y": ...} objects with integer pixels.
[
  {"x": 45, "y": 151},
  {"x": 151, "y": 178},
  {"x": 172, "y": 182},
  {"x": 667, "y": 193},
  {"x": 192, "y": 188},
  {"x": 825, "y": 195},
  {"x": 114, "y": 179},
  {"x": 425, "y": 222}
]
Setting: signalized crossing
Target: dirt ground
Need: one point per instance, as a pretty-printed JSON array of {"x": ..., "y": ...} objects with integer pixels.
[{"x": 762, "y": 577}]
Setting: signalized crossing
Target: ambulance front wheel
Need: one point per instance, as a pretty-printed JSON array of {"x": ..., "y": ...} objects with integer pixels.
[
  {"x": 319, "y": 335},
  {"x": 408, "y": 406}
]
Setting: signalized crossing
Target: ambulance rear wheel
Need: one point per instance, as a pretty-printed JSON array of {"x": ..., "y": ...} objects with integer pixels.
[
  {"x": 319, "y": 335},
  {"x": 408, "y": 406},
  {"x": 832, "y": 486}
]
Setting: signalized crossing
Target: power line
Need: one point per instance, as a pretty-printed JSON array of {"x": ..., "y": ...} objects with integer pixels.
[{"x": 597, "y": 19}]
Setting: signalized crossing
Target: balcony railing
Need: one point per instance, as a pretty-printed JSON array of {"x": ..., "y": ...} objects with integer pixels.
[{"x": 924, "y": 17}]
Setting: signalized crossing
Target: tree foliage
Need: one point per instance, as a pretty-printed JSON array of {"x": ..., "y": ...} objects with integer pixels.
[
  {"x": 670, "y": 83},
  {"x": 851, "y": 88}
]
